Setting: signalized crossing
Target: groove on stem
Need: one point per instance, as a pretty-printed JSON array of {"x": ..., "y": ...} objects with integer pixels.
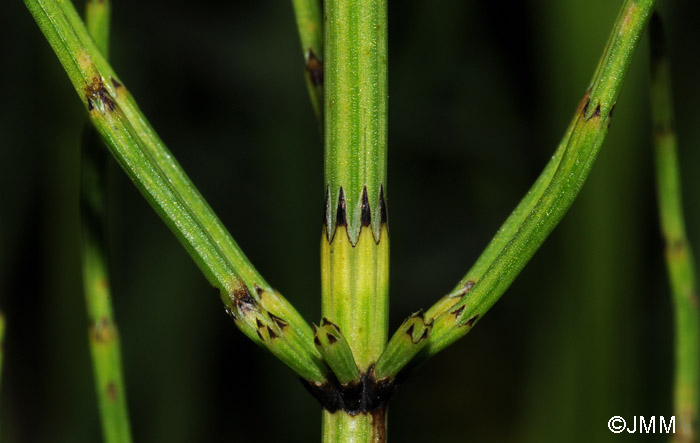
[{"x": 679, "y": 256}]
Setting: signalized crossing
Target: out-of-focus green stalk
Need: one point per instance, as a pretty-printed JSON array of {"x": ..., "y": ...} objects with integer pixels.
[
  {"x": 310, "y": 27},
  {"x": 536, "y": 217},
  {"x": 679, "y": 256},
  {"x": 258, "y": 310},
  {"x": 103, "y": 332},
  {"x": 2, "y": 345},
  {"x": 97, "y": 20}
]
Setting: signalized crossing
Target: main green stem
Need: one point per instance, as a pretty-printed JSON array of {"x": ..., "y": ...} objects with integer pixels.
[
  {"x": 679, "y": 256},
  {"x": 355, "y": 240},
  {"x": 103, "y": 333}
]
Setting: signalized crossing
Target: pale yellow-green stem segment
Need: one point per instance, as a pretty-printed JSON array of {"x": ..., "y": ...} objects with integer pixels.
[
  {"x": 354, "y": 286},
  {"x": 679, "y": 256},
  {"x": 361, "y": 428}
]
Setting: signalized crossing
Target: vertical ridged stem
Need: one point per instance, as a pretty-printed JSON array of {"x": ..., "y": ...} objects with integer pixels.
[
  {"x": 355, "y": 243},
  {"x": 679, "y": 257},
  {"x": 103, "y": 334}
]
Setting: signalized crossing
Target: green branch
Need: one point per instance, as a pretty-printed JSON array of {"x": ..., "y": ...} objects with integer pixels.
[
  {"x": 103, "y": 333},
  {"x": 549, "y": 198},
  {"x": 310, "y": 27},
  {"x": 679, "y": 256},
  {"x": 152, "y": 168}
]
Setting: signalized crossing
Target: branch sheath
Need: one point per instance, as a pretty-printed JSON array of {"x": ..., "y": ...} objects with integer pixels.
[
  {"x": 335, "y": 350},
  {"x": 679, "y": 256},
  {"x": 549, "y": 198},
  {"x": 103, "y": 333},
  {"x": 254, "y": 305}
]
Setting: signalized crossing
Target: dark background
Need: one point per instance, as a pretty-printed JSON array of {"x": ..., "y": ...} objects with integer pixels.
[{"x": 480, "y": 92}]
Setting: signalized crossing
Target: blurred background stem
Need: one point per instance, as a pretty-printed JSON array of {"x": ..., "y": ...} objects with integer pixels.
[
  {"x": 679, "y": 255},
  {"x": 104, "y": 340},
  {"x": 2, "y": 351},
  {"x": 310, "y": 27}
]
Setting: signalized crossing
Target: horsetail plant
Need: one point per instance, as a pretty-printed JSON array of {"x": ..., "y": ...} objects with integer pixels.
[
  {"x": 348, "y": 362},
  {"x": 679, "y": 256}
]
